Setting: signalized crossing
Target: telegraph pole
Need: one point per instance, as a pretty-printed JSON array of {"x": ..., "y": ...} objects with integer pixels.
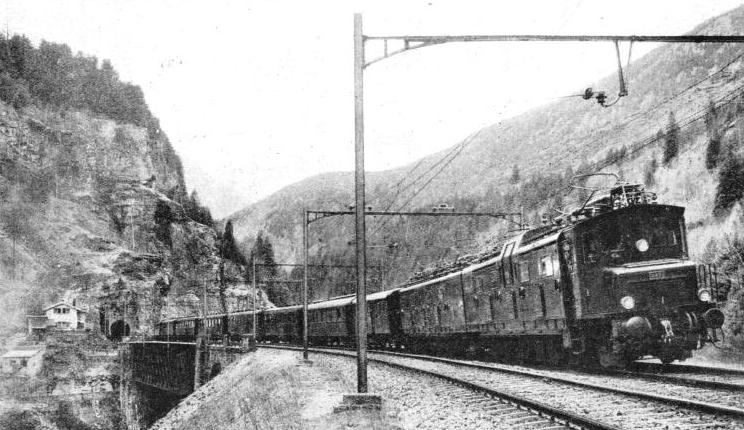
[
  {"x": 200, "y": 341},
  {"x": 304, "y": 285},
  {"x": 253, "y": 263},
  {"x": 361, "y": 240}
]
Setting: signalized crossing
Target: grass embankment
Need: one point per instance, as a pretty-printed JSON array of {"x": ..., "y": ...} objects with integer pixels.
[{"x": 271, "y": 390}]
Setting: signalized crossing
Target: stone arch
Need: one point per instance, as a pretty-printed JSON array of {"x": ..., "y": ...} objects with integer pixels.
[{"x": 118, "y": 330}]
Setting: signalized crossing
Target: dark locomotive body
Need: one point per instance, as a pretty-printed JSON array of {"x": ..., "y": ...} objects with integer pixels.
[{"x": 612, "y": 283}]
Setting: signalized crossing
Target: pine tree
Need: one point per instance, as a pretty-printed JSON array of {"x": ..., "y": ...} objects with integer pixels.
[
  {"x": 730, "y": 185},
  {"x": 712, "y": 152},
  {"x": 671, "y": 140},
  {"x": 712, "y": 130},
  {"x": 268, "y": 257},
  {"x": 515, "y": 177},
  {"x": 229, "y": 247},
  {"x": 263, "y": 253},
  {"x": 568, "y": 176},
  {"x": 194, "y": 210}
]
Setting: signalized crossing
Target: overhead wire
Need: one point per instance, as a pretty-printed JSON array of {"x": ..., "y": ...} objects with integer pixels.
[
  {"x": 686, "y": 89},
  {"x": 643, "y": 143},
  {"x": 415, "y": 180},
  {"x": 432, "y": 167},
  {"x": 457, "y": 150}
]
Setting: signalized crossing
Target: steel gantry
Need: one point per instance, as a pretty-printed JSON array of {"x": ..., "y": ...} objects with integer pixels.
[
  {"x": 311, "y": 216},
  {"x": 411, "y": 42}
]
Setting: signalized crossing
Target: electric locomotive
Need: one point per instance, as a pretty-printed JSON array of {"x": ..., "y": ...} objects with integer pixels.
[{"x": 629, "y": 284}]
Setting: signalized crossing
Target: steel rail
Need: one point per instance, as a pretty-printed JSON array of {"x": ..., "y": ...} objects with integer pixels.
[
  {"x": 687, "y": 368},
  {"x": 559, "y": 416},
  {"x": 678, "y": 401},
  {"x": 680, "y": 380},
  {"x": 669, "y": 400}
]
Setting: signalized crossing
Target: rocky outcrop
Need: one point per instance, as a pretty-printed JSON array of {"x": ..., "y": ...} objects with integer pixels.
[{"x": 91, "y": 213}]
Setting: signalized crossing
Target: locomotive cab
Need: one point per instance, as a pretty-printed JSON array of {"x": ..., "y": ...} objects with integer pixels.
[{"x": 635, "y": 291}]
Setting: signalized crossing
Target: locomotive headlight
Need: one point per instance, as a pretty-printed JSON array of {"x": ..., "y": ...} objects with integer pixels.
[
  {"x": 628, "y": 302},
  {"x": 704, "y": 295},
  {"x": 642, "y": 245}
]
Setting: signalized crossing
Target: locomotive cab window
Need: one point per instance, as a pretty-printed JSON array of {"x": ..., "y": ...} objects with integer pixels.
[{"x": 639, "y": 236}]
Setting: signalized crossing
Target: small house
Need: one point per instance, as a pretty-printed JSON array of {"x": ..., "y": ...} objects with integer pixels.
[
  {"x": 37, "y": 326},
  {"x": 24, "y": 361},
  {"x": 64, "y": 316}
]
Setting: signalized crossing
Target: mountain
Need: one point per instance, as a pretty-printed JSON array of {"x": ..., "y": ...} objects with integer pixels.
[
  {"x": 548, "y": 144},
  {"x": 93, "y": 212}
]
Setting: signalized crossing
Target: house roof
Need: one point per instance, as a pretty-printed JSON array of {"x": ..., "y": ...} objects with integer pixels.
[
  {"x": 65, "y": 304},
  {"x": 20, "y": 353}
]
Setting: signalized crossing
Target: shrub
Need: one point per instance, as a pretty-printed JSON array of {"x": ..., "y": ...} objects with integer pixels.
[
  {"x": 19, "y": 420},
  {"x": 14, "y": 92},
  {"x": 648, "y": 175},
  {"x": 515, "y": 177},
  {"x": 163, "y": 219},
  {"x": 671, "y": 140},
  {"x": 712, "y": 130},
  {"x": 730, "y": 185},
  {"x": 712, "y": 152}
]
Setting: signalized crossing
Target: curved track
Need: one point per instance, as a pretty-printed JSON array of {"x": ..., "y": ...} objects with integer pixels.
[
  {"x": 520, "y": 412},
  {"x": 733, "y": 383},
  {"x": 628, "y": 400}
]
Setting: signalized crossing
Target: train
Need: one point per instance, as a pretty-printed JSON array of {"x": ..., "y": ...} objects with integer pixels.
[{"x": 607, "y": 283}]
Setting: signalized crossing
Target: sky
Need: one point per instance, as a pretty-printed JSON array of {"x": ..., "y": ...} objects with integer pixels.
[{"x": 256, "y": 95}]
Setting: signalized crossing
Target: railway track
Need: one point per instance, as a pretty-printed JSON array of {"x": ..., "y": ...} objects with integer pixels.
[
  {"x": 697, "y": 375},
  {"x": 733, "y": 383},
  {"x": 502, "y": 407},
  {"x": 625, "y": 401},
  {"x": 723, "y": 396}
]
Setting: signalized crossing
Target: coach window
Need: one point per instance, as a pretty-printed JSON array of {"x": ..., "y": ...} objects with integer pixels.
[
  {"x": 556, "y": 266},
  {"x": 506, "y": 262},
  {"x": 546, "y": 266},
  {"x": 524, "y": 271}
]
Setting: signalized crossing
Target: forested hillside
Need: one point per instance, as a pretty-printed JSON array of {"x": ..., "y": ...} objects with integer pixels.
[
  {"x": 52, "y": 75},
  {"x": 678, "y": 131}
]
